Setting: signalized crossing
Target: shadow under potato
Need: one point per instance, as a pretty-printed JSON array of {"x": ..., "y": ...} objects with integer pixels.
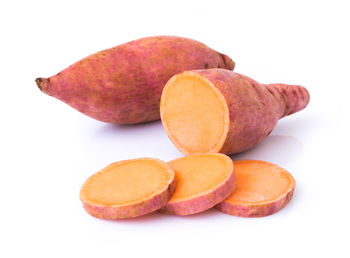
[
  {"x": 275, "y": 148},
  {"x": 138, "y": 134},
  {"x": 115, "y": 128},
  {"x": 158, "y": 216}
]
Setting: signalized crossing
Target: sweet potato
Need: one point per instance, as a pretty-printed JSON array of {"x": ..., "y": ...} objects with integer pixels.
[
  {"x": 262, "y": 189},
  {"x": 128, "y": 189},
  {"x": 202, "y": 181},
  {"x": 217, "y": 110},
  {"x": 123, "y": 84}
]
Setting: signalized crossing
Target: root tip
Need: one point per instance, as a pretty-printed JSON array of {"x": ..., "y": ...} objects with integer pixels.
[
  {"x": 40, "y": 82},
  {"x": 228, "y": 62}
]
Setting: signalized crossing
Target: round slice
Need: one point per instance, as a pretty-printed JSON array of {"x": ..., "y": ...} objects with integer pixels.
[
  {"x": 128, "y": 189},
  {"x": 262, "y": 189},
  {"x": 202, "y": 181},
  {"x": 194, "y": 114}
]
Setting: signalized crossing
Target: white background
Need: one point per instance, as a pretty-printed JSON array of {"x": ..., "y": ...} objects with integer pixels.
[{"x": 48, "y": 149}]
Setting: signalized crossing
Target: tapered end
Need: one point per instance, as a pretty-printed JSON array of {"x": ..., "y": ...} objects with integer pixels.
[
  {"x": 293, "y": 98},
  {"x": 298, "y": 98},
  {"x": 41, "y": 83},
  {"x": 228, "y": 62}
]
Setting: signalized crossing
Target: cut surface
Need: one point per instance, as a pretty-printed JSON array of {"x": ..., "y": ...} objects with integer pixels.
[
  {"x": 259, "y": 182},
  {"x": 200, "y": 174},
  {"x": 127, "y": 182},
  {"x": 194, "y": 114}
]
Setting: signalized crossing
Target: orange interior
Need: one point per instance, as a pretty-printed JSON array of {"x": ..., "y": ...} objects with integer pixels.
[
  {"x": 194, "y": 114},
  {"x": 127, "y": 182},
  {"x": 259, "y": 181},
  {"x": 198, "y": 174}
]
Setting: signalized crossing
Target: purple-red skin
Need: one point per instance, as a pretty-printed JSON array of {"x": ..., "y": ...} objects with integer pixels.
[
  {"x": 134, "y": 210},
  {"x": 255, "y": 210},
  {"x": 123, "y": 84},
  {"x": 254, "y": 108},
  {"x": 203, "y": 202}
]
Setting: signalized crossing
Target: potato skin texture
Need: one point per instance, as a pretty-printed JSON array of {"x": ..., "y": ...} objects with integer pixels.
[
  {"x": 131, "y": 211},
  {"x": 203, "y": 202},
  {"x": 251, "y": 210},
  {"x": 256, "y": 108},
  {"x": 123, "y": 84}
]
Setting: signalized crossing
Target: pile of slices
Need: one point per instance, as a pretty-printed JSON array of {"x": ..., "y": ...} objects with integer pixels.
[{"x": 186, "y": 186}]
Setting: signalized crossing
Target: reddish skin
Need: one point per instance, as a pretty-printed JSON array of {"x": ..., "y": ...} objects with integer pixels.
[
  {"x": 123, "y": 84},
  {"x": 131, "y": 211},
  {"x": 204, "y": 202},
  {"x": 254, "y": 108},
  {"x": 255, "y": 210}
]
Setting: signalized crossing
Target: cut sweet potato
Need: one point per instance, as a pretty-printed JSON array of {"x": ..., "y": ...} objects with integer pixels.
[
  {"x": 262, "y": 189},
  {"x": 217, "y": 110},
  {"x": 128, "y": 189},
  {"x": 202, "y": 180}
]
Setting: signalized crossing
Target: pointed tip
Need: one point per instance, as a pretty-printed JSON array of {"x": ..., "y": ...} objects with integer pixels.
[
  {"x": 294, "y": 98},
  {"x": 298, "y": 101},
  {"x": 41, "y": 82},
  {"x": 232, "y": 64},
  {"x": 228, "y": 62}
]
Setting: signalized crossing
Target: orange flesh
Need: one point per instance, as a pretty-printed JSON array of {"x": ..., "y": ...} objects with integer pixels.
[
  {"x": 198, "y": 174},
  {"x": 127, "y": 182},
  {"x": 194, "y": 113},
  {"x": 258, "y": 182}
]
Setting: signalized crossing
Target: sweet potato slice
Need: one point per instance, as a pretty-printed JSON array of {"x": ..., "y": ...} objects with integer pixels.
[
  {"x": 262, "y": 189},
  {"x": 127, "y": 189},
  {"x": 202, "y": 180}
]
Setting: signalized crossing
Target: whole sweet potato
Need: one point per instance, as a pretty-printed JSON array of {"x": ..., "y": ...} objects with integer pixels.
[{"x": 123, "y": 84}]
